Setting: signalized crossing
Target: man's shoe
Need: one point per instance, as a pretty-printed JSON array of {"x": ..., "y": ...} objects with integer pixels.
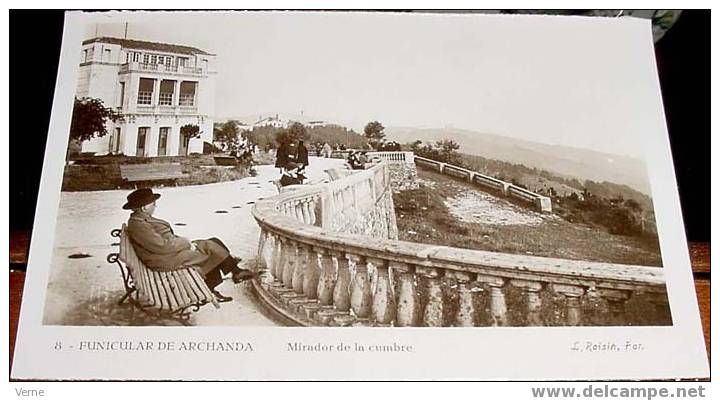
[
  {"x": 220, "y": 297},
  {"x": 242, "y": 275}
]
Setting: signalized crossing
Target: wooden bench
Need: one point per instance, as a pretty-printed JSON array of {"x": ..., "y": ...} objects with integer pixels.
[
  {"x": 166, "y": 293},
  {"x": 225, "y": 160},
  {"x": 151, "y": 172}
]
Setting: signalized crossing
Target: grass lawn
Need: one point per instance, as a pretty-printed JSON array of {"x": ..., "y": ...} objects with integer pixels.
[{"x": 424, "y": 216}]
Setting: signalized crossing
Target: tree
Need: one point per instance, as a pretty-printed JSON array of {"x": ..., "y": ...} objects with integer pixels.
[
  {"x": 89, "y": 118},
  {"x": 190, "y": 130},
  {"x": 295, "y": 132},
  {"x": 416, "y": 145},
  {"x": 228, "y": 135},
  {"x": 447, "y": 146},
  {"x": 375, "y": 133}
]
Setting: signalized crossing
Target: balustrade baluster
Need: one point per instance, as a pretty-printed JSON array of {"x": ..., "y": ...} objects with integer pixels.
[
  {"x": 297, "y": 211},
  {"x": 300, "y": 268},
  {"x": 383, "y": 307},
  {"x": 407, "y": 299},
  {"x": 326, "y": 283},
  {"x": 435, "y": 307},
  {"x": 572, "y": 294},
  {"x": 341, "y": 293},
  {"x": 306, "y": 211},
  {"x": 466, "y": 315},
  {"x": 498, "y": 308},
  {"x": 262, "y": 262},
  {"x": 312, "y": 274},
  {"x": 290, "y": 262},
  {"x": 311, "y": 210},
  {"x": 616, "y": 300},
  {"x": 280, "y": 260},
  {"x": 361, "y": 293},
  {"x": 531, "y": 290}
]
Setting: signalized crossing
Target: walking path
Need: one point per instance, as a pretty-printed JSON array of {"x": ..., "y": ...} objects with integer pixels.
[{"x": 84, "y": 290}]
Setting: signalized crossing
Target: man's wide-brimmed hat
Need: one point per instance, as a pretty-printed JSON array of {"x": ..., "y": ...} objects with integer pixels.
[{"x": 139, "y": 198}]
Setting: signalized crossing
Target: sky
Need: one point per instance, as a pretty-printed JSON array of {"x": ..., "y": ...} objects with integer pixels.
[{"x": 576, "y": 81}]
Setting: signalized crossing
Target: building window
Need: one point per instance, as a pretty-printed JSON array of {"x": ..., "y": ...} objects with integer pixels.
[
  {"x": 127, "y": 57},
  {"x": 141, "y": 139},
  {"x": 136, "y": 57},
  {"x": 182, "y": 61},
  {"x": 145, "y": 91},
  {"x": 85, "y": 56},
  {"x": 187, "y": 93},
  {"x": 122, "y": 94},
  {"x": 107, "y": 54},
  {"x": 115, "y": 141},
  {"x": 162, "y": 141},
  {"x": 153, "y": 59},
  {"x": 167, "y": 90},
  {"x": 146, "y": 58}
]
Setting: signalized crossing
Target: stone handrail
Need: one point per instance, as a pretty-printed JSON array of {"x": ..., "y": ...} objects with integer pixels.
[
  {"x": 389, "y": 156},
  {"x": 541, "y": 203},
  {"x": 318, "y": 275}
]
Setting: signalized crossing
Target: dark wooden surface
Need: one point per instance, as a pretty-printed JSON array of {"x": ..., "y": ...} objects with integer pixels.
[{"x": 19, "y": 242}]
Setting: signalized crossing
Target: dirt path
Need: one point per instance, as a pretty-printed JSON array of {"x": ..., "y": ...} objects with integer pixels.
[{"x": 83, "y": 291}]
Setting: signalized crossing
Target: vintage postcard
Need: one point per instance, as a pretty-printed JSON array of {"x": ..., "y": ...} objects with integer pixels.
[{"x": 357, "y": 195}]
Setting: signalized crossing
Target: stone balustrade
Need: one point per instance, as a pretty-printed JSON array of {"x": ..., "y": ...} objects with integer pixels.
[
  {"x": 540, "y": 202},
  {"x": 317, "y": 271}
]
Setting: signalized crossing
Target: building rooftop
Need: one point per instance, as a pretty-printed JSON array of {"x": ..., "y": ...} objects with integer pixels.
[{"x": 144, "y": 45}]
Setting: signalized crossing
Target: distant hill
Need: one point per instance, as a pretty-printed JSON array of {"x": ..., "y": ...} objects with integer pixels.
[{"x": 563, "y": 160}]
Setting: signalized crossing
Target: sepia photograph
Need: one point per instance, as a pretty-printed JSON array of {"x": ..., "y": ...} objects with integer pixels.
[
  {"x": 355, "y": 175},
  {"x": 358, "y": 179}
]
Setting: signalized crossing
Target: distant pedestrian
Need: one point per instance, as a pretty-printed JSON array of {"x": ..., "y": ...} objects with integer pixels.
[
  {"x": 282, "y": 156},
  {"x": 302, "y": 155},
  {"x": 327, "y": 150}
]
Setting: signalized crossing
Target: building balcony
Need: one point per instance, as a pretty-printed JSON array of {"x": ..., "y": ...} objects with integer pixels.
[
  {"x": 174, "y": 110},
  {"x": 160, "y": 68}
]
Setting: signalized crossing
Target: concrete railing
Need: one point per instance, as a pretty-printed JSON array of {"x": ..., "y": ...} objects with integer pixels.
[
  {"x": 390, "y": 156},
  {"x": 541, "y": 203},
  {"x": 314, "y": 274}
]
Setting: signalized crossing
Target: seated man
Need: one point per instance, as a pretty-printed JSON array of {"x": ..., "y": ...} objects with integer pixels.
[
  {"x": 354, "y": 161},
  {"x": 159, "y": 248},
  {"x": 294, "y": 177}
]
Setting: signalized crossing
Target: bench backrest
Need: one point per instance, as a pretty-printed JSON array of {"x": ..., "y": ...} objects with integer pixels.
[
  {"x": 167, "y": 290},
  {"x": 151, "y": 171}
]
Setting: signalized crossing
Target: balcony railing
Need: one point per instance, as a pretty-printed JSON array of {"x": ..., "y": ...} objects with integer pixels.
[
  {"x": 161, "y": 68},
  {"x": 319, "y": 276}
]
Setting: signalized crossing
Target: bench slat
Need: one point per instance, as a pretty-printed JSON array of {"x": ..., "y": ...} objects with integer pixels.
[
  {"x": 135, "y": 267},
  {"x": 163, "y": 296},
  {"x": 176, "y": 276},
  {"x": 204, "y": 290},
  {"x": 194, "y": 287},
  {"x": 172, "y": 291},
  {"x": 155, "y": 296}
]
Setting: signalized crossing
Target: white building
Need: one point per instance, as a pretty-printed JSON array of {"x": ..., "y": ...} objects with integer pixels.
[
  {"x": 278, "y": 121},
  {"x": 272, "y": 121},
  {"x": 156, "y": 87}
]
